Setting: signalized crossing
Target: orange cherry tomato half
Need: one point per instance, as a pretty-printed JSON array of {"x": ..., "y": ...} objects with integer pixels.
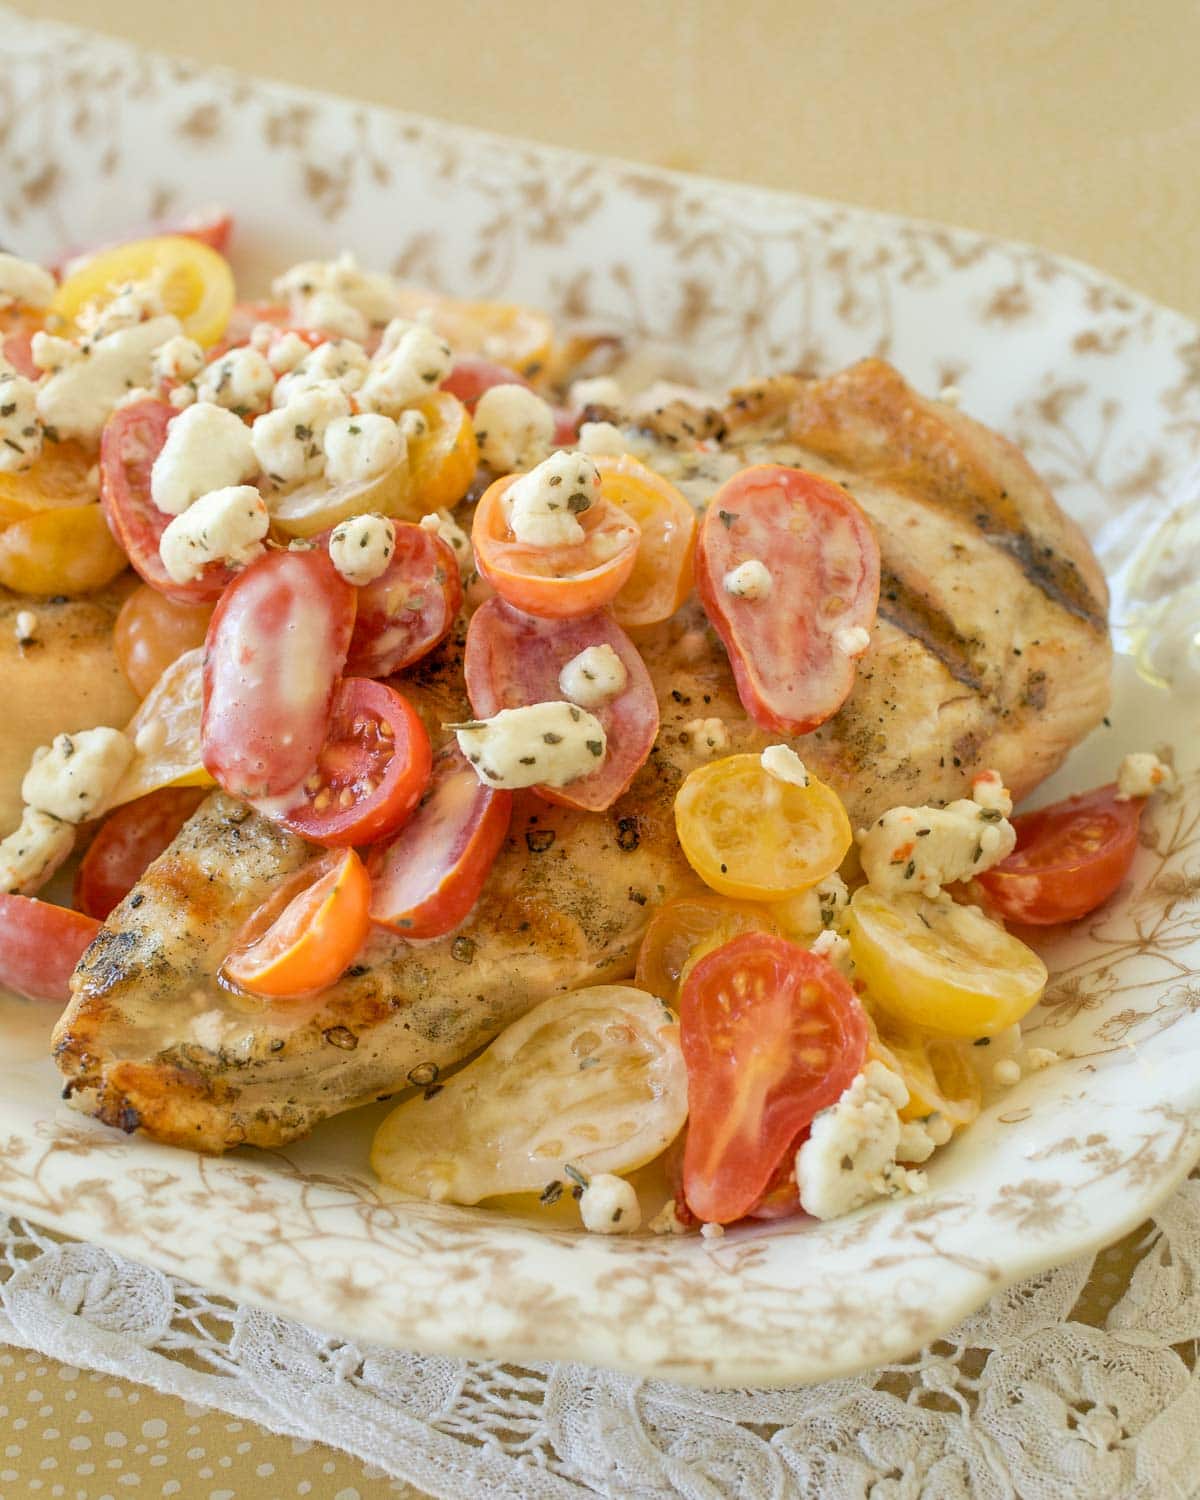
[
  {"x": 555, "y": 582},
  {"x": 62, "y": 476},
  {"x": 65, "y": 550},
  {"x": 425, "y": 882},
  {"x": 372, "y": 770},
  {"x": 307, "y": 933},
  {"x": 791, "y": 666},
  {"x": 687, "y": 927},
  {"x": 273, "y": 659},
  {"x": 771, "y": 1033},
  {"x": 410, "y": 608},
  {"x": 129, "y": 841},
  {"x": 662, "y": 574},
  {"x": 132, "y": 439},
  {"x": 443, "y": 460},
  {"x": 1069, "y": 858},
  {"x": 153, "y": 631},
  {"x": 40, "y": 944}
]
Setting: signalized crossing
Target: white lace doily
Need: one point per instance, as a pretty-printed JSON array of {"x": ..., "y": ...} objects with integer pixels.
[{"x": 1077, "y": 1383}]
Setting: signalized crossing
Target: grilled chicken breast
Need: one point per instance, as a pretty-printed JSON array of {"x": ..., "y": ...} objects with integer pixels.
[{"x": 991, "y": 649}]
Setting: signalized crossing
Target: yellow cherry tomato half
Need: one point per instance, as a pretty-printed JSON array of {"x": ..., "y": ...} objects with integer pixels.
[
  {"x": 443, "y": 460},
  {"x": 67, "y": 550},
  {"x": 196, "y": 282},
  {"x": 166, "y": 733},
  {"x": 662, "y": 574},
  {"x": 316, "y": 506},
  {"x": 59, "y": 477},
  {"x": 938, "y": 1071},
  {"x": 683, "y": 930},
  {"x": 152, "y": 631},
  {"x": 935, "y": 964},
  {"x": 506, "y": 332},
  {"x": 750, "y": 834}
]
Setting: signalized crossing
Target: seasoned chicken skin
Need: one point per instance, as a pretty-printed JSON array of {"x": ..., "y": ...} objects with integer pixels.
[{"x": 990, "y": 650}]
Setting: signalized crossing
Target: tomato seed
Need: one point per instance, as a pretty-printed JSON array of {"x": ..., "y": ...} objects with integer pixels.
[
  {"x": 386, "y": 730},
  {"x": 347, "y": 798},
  {"x": 322, "y": 800}
]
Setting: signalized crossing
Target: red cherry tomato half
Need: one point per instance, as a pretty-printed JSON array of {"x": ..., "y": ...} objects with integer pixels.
[
  {"x": 273, "y": 658},
  {"x": 1069, "y": 858},
  {"x": 410, "y": 608},
  {"x": 425, "y": 882},
  {"x": 40, "y": 945},
  {"x": 771, "y": 1033},
  {"x": 471, "y": 375},
  {"x": 131, "y": 441},
  {"x": 18, "y": 351},
  {"x": 371, "y": 772},
  {"x": 821, "y": 554},
  {"x": 131, "y": 839},
  {"x": 513, "y": 659},
  {"x": 213, "y": 229}
]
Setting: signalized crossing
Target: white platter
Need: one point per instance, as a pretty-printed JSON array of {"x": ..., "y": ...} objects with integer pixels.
[{"x": 1102, "y": 390}]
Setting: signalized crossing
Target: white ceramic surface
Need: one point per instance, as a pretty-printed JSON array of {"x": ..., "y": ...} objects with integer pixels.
[{"x": 1100, "y": 387}]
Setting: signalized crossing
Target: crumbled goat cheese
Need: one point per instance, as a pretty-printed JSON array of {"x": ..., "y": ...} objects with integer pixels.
[
  {"x": 182, "y": 396},
  {"x": 1141, "y": 775},
  {"x": 373, "y": 295},
  {"x": 712, "y": 1231},
  {"x": 916, "y": 1143},
  {"x": 339, "y": 362},
  {"x": 178, "y": 359},
  {"x": 417, "y": 364},
  {"x": 514, "y": 428},
  {"x": 206, "y": 449},
  {"x": 749, "y": 580},
  {"x": 331, "y": 313},
  {"x": 51, "y": 354},
  {"x": 609, "y": 1205},
  {"x": 542, "y": 505},
  {"x": 599, "y": 390},
  {"x": 24, "y": 283},
  {"x": 818, "y": 909},
  {"x": 784, "y": 764},
  {"x": 226, "y": 525},
  {"x": 852, "y": 640},
  {"x": 602, "y": 439},
  {"x": 708, "y": 736},
  {"x": 667, "y": 1220},
  {"x": 359, "y": 448},
  {"x": 72, "y": 778},
  {"x": 288, "y": 443},
  {"x": 850, "y": 1154},
  {"x": 833, "y": 946},
  {"x": 20, "y": 431},
  {"x": 1006, "y": 1073},
  {"x": 443, "y": 524},
  {"x": 413, "y": 424},
  {"x": 241, "y": 381},
  {"x": 284, "y": 351},
  {"x": 77, "y": 400},
  {"x": 920, "y": 849},
  {"x": 593, "y": 677},
  {"x": 135, "y": 395},
  {"x": 31, "y": 854},
  {"x": 26, "y": 624},
  {"x": 542, "y": 744},
  {"x": 125, "y": 307},
  {"x": 360, "y": 548}
]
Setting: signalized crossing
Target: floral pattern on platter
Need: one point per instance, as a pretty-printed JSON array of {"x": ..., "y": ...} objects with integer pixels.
[{"x": 1100, "y": 387}]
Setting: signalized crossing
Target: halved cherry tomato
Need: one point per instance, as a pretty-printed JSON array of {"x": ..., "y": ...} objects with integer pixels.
[
  {"x": 556, "y": 582},
  {"x": 17, "y": 349},
  {"x": 771, "y": 1034},
  {"x": 213, "y": 229},
  {"x": 129, "y": 840},
  {"x": 245, "y": 318},
  {"x": 152, "y": 631},
  {"x": 441, "y": 462},
  {"x": 319, "y": 506},
  {"x": 1069, "y": 858},
  {"x": 40, "y": 945},
  {"x": 59, "y": 477},
  {"x": 307, "y": 933},
  {"x": 506, "y": 332},
  {"x": 371, "y": 772},
  {"x": 941, "y": 966},
  {"x": 471, "y": 375},
  {"x": 821, "y": 553},
  {"x": 274, "y": 655},
  {"x": 132, "y": 439},
  {"x": 67, "y": 550},
  {"x": 747, "y": 833},
  {"x": 683, "y": 930},
  {"x": 197, "y": 283},
  {"x": 938, "y": 1071},
  {"x": 662, "y": 575},
  {"x": 165, "y": 732},
  {"x": 409, "y": 608},
  {"x": 513, "y": 659},
  {"x": 425, "y": 882}
]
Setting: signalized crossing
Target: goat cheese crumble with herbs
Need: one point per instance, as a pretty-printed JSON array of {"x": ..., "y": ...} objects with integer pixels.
[
  {"x": 242, "y": 381},
  {"x": 1141, "y": 775},
  {"x": 361, "y": 548},
  {"x": 782, "y": 762},
  {"x": 443, "y": 524},
  {"x": 73, "y": 777},
  {"x": 33, "y": 851},
  {"x": 226, "y": 525},
  {"x": 708, "y": 736},
  {"x": 24, "y": 284},
  {"x": 593, "y": 677},
  {"x": 207, "y": 448},
  {"x": 541, "y": 744},
  {"x": 609, "y": 1205},
  {"x": 514, "y": 428},
  {"x": 361, "y": 447},
  {"x": 411, "y": 363},
  {"x": 749, "y": 580},
  {"x": 543, "y": 505},
  {"x": 918, "y": 850}
]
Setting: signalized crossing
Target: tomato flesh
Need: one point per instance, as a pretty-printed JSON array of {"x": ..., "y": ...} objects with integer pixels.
[
  {"x": 471, "y": 375},
  {"x": 153, "y": 631},
  {"x": 40, "y": 944},
  {"x": 410, "y": 608},
  {"x": 426, "y": 881},
  {"x": 771, "y": 1033},
  {"x": 130, "y": 839},
  {"x": 1069, "y": 858},
  {"x": 818, "y": 547},
  {"x": 371, "y": 771},
  {"x": 274, "y": 655}
]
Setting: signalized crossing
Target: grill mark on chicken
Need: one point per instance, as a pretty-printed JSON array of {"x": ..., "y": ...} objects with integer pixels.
[{"x": 917, "y": 616}]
